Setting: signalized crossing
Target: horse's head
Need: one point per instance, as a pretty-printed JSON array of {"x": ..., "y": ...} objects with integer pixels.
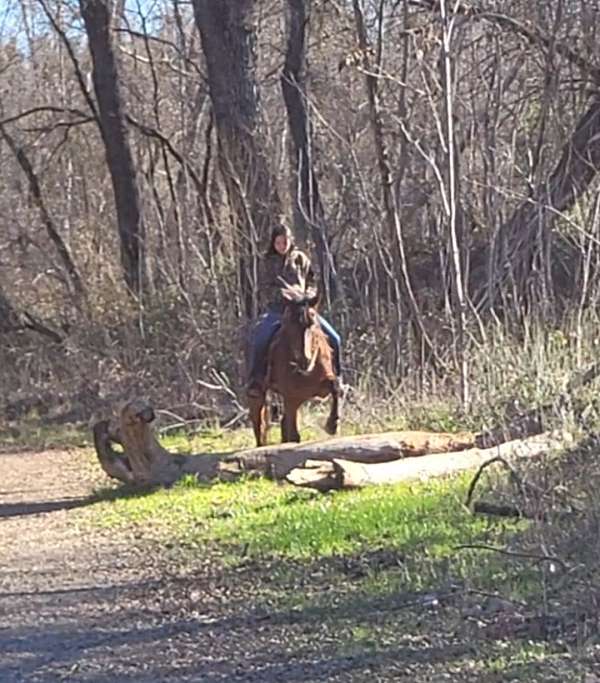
[
  {"x": 300, "y": 309},
  {"x": 301, "y": 320}
]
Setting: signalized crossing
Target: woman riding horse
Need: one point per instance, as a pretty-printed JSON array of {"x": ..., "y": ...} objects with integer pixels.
[{"x": 282, "y": 261}]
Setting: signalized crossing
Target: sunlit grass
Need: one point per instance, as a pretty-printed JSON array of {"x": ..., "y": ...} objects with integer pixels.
[{"x": 259, "y": 518}]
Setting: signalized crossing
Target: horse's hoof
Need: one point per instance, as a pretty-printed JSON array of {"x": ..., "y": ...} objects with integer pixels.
[{"x": 331, "y": 427}]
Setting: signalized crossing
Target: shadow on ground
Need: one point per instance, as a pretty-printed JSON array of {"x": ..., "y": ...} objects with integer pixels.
[{"x": 233, "y": 625}]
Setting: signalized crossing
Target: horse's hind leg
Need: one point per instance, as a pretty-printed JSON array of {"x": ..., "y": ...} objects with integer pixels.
[
  {"x": 289, "y": 422},
  {"x": 257, "y": 409},
  {"x": 331, "y": 426}
]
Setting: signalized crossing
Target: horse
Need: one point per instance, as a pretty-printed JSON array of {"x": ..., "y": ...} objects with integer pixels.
[{"x": 299, "y": 368}]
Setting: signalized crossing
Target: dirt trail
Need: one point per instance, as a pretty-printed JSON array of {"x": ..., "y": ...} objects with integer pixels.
[
  {"x": 81, "y": 607},
  {"x": 84, "y": 607},
  {"x": 58, "y": 585},
  {"x": 96, "y": 607}
]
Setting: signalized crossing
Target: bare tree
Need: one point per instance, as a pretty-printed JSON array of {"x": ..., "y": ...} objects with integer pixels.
[
  {"x": 228, "y": 31},
  {"x": 113, "y": 127},
  {"x": 309, "y": 211},
  {"x": 443, "y": 156},
  {"x": 392, "y": 217},
  {"x": 73, "y": 279},
  {"x": 453, "y": 202},
  {"x": 519, "y": 239}
]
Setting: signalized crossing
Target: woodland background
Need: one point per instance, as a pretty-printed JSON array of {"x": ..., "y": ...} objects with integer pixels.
[{"x": 439, "y": 159}]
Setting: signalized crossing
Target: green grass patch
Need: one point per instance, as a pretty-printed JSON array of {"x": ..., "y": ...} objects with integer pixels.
[{"x": 422, "y": 522}]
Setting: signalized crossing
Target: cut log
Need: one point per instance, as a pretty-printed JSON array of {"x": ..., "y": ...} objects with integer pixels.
[
  {"x": 321, "y": 475},
  {"x": 341, "y": 473},
  {"x": 112, "y": 462},
  {"x": 482, "y": 507},
  {"x": 345, "y": 462},
  {"x": 278, "y": 461},
  {"x": 143, "y": 461}
]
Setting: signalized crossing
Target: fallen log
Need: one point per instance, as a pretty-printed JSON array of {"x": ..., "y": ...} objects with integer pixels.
[
  {"x": 278, "y": 461},
  {"x": 344, "y": 474},
  {"x": 143, "y": 461},
  {"x": 482, "y": 507}
]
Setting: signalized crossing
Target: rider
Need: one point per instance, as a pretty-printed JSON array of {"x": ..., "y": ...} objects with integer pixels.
[{"x": 282, "y": 260}]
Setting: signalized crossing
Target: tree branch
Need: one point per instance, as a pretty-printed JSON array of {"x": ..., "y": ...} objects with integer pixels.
[
  {"x": 516, "y": 554},
  {"x": 528, "y": 30},
  {"x": 78, "y": 74},
  {"x": 46, "y": 108},
  {"x": 154, "y": 133},
  {"x": 53, "y": 234}
]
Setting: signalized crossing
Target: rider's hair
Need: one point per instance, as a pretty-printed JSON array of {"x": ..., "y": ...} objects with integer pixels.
[{"x": 277, "y": 231}]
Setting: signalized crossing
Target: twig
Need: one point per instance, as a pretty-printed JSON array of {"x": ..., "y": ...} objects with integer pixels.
[
  {"x": 221, "y": 383},
  {"x": 234, "y": 420},
  {"x": 516, "y": 554},
  {"x": 487, "y": 463},
  {"x": 497, "y": 596},
  {"x": 523, "y": 486},
  {"x": 177, "y": 425},
  {"x": 170, "y": 413}
]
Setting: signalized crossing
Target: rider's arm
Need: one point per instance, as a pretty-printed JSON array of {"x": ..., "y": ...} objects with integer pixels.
[{"x": 307, "y": 272}]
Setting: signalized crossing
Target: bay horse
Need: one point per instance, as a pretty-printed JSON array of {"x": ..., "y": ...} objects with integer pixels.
[{"x": 299, "y": 368}]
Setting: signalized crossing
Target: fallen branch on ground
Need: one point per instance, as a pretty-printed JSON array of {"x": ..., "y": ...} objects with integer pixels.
[
  {"x": 341, "y": 473},
  {"x": 145, "y": 462},
  {"x": 519, "y": 555},
  {"x": 344, "y": 462}
]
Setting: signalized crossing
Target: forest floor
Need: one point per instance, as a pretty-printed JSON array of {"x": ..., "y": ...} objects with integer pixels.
[{"x": 87, "y": 603}]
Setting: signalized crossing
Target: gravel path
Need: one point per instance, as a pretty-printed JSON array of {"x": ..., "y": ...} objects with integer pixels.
[
  {"x": 98, "y": 607},
  {"x": 81, "y": 607}
]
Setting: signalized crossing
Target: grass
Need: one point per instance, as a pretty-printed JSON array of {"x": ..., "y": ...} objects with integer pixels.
[
  {"x": 423, "y": 523},
  {"x": 351, "y": 557},
  {"x": 351, "y": 560}
]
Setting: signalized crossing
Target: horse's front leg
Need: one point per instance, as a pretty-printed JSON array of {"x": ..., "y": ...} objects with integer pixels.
[
  {"x": 331, "y": 426},
  {"x": 257, "y": 409},
  {"x": 289, "y": 422}
]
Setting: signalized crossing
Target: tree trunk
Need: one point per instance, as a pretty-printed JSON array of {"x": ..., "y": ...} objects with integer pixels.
[
  {"x": 228, "y": 32},
  {"x": 459, "y": 303},
  {"x": 278, "y": 461},
  {"x": 113, "y": 127},
  {"x": 309, "y": 212},
  {"x": 144, "y": 462},
  {"x": 344, "y": 462},
  {"x": 345, "y": 474},
  {"x": 518, "y": 240}
]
